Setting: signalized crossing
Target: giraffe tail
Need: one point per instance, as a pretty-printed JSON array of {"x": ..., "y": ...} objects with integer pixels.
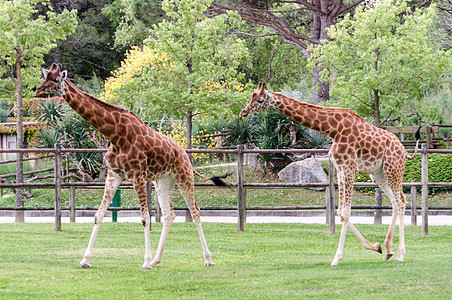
[
  {"x": 217, "y": 180},
  {"x": 417, "y": 135}
]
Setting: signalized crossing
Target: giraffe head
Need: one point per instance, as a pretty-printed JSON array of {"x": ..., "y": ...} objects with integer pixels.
[
  {"x": 260, "y": 100},
  {"x": 53, "y": 81}
]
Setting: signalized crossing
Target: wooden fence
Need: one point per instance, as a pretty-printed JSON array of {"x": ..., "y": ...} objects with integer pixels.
[{"x": 241, "y": 186}]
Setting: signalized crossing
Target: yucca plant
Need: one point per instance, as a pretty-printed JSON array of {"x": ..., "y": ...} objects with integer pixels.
[
  {"x": 48, "y": 137},
  {"x": 51, "y": 112},
  {"x": 71, "y": 131},
  {"x": 240, "y": 131}
]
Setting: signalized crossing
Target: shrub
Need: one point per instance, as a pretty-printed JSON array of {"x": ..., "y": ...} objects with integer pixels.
[{"x": 439, "y": 169}]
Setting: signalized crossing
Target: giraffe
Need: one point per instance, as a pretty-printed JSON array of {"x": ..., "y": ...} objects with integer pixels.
[
  {"x": 137, "y": 153},
  {"x": 357, "y": 147}
]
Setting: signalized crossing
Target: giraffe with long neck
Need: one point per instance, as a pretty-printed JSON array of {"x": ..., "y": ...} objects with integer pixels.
[
  {"x": 137, "y": 153},
  {"x": 357, "y": 147}
]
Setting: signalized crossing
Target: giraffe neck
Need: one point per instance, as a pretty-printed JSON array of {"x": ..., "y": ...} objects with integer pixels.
[
  {"x": 99, "y": 114},
  {"x": 327, "y": 120}
]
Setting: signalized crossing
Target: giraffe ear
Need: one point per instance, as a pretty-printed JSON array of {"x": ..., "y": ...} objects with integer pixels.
[
  {"x": 63, "y": 75},
  {"x": 44, "y": 72}
]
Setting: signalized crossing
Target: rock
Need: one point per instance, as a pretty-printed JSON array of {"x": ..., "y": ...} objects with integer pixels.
[
  {"x": 253, "y": 163},
  {"x": 306, "y": 171}
]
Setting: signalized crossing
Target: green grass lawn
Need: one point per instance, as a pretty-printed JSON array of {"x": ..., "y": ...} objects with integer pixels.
[{"x": 266, "y": 261}]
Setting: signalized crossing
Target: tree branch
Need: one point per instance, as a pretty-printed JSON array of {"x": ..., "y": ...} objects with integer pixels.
[{"x": 269, "y": 71}]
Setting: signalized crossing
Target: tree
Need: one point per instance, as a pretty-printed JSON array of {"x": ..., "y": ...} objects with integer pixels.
[
  {"x": 89, "y": 51},
  {"x": 133, "y": 19},
  {"x": 25, "y": 38},
  {"x": 382, "y": 61},
  {"x": 301, "y": 23},
  {"x": 188, "y": 66}
]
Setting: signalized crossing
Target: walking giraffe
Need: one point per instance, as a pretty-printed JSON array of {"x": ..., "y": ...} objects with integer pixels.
[
  {"x": 137, "y": 153},
  {"x": 358, "y": 147}
]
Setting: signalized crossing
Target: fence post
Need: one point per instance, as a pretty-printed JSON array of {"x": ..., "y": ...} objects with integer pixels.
[
  {"x": 149, "y": 200},
  {"x": 378, "y": 202},
  {"x": 424, "y": 190},
  {"x": 413, "y": 205},
  {"x": 72, "y": 203},
  {"x": 241, "y": 199},
  {"x": 330, "y": 201},
  {"x": 57, "y": 187}
]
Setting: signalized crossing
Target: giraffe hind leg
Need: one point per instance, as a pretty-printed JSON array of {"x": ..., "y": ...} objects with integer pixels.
[
  {"x": 380, "y": 179},
  {"x": 111, "y": 184},
  {"x": 187, "y": 192},
  {"x": 164, "y": 189},
  {"x": 139, "y": 185}
]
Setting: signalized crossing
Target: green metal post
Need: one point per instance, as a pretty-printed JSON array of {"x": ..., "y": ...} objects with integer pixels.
[{"x": 116, "y": 202}]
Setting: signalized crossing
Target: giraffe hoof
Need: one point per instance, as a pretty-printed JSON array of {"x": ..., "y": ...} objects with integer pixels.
[
  {"x": 84, "y": 265},
  {"x": 378, "y": 248},
  {"x": 335, "y": 262},
  {"x": 209, "y": 264},
  {"x": 146, "y": 267},
  {"x": 389, "y": 255},
  {"x": 399, "y": 260}
]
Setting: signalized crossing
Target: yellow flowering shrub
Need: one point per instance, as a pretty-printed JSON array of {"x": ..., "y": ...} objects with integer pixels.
[
  {"x": 178, "y": 130},
  {"x": 136, "y": 61}
]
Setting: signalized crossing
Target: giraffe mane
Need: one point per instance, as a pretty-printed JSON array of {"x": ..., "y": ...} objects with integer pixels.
[{"x": 333, "y": 109}]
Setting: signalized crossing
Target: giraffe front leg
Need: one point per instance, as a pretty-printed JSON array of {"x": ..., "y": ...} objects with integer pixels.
[
  {"x": 147, "y": 242},
  {"x": 340, "y": 249},
  {"x": 401, "y": 250},
  {"x": 401, "y": 213},
  {"x": 345, "y": 177},
  {"x": 111, "y": 184}
]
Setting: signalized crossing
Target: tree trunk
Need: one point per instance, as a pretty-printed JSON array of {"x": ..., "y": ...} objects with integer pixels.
[
  {"x": 376, "y": 107},
  {"x": 321, "y": 92},
  {"x": 19, "y": 144},
  {"x": 188, "y": 134},
  {"x": 321, "y": 23}
]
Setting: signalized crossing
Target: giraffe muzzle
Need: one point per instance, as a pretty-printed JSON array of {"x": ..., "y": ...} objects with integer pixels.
[{"x": 243, "y": 113}]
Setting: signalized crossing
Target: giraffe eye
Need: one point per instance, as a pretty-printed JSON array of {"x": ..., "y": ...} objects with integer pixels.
[
  {"x": 260, "y": 101},
  {"x": 55, "y": 80}
]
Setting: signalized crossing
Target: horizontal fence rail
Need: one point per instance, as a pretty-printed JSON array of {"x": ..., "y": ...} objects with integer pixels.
[{"x": 240, "y": 186}]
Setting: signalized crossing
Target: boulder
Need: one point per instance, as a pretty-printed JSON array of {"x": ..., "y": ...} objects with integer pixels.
[{"x": 305, "y": 171}]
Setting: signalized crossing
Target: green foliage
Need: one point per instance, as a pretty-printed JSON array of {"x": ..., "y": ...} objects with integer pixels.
[
  {"x": 48, "y": 137},
  {"x": 439, "y": 169},
  {"x": 50, "y": 112},
  {"x": 285, "y": 62},
  {"x": 201, "y": 71},
  {"x": 26, "y": 37},
  {"x": 316, "y": 140},
  {"x": 438, "y": 107},
  {"x": 88, "y": 52},
  {"x": 133, "y": 19},
  {"x": 240, "y": 131},
  {"x": 3, "y": 115},
  {"x": 380, "y": 61}
]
